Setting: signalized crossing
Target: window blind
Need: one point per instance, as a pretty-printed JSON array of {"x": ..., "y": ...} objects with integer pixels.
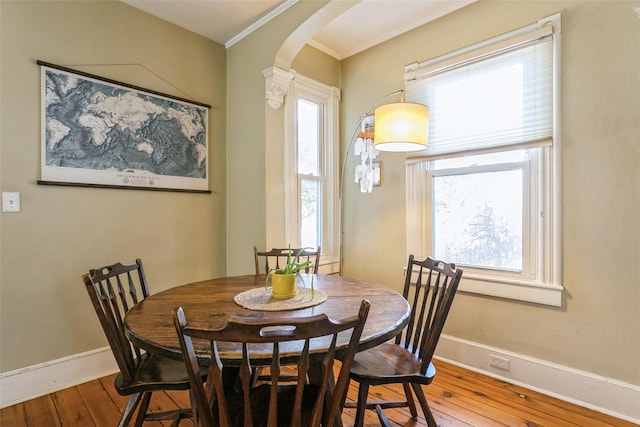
[{"x": 492, "y": 96}]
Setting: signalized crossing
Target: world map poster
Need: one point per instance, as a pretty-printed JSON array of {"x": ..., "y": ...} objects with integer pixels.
[{"x": 99, "y": 132}]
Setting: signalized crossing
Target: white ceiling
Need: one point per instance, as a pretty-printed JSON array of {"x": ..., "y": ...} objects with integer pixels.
[{"x": 366, "y": 24}]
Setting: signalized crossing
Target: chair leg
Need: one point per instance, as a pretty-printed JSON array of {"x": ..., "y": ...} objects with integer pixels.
[
  {"x": 134, "y": 399},
  {"x": 176, "y": 421},
  {"x": 384, "y": 421},
  {"x": 412, "y": 404},
  {"x": 431, "y": 421},
  {"x": 194, "y": 408},
  {"x": 255, "y": 375},
  {"x": 144, "y": 405},
  {"x": 363, "y": 394}
]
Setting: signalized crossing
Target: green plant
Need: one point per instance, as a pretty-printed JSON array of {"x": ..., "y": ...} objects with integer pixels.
[{"x": 293, "y": 266}]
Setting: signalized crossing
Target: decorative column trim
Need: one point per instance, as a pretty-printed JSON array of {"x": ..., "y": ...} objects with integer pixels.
[{"x": 277, "y": 85}]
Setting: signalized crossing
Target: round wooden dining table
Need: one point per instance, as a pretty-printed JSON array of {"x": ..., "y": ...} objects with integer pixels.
[{"x": 149, "y": 324}]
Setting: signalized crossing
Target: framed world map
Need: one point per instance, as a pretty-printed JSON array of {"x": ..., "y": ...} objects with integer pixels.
[{"x": 99, "y": 132}]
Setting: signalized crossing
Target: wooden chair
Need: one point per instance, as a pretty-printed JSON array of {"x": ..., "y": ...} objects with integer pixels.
[
  {"x": 113, "y": 290},
  {"x": 429, "y": 287},
  {"x": 270, "y": 404},
  {"x": 275, "y": 258}
]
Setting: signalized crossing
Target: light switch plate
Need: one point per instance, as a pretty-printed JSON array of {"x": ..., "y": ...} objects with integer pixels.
[{"x": 10, "y": 202}]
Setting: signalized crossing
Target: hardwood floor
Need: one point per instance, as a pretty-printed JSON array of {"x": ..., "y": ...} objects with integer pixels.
[{"x": 458, "y": 397}]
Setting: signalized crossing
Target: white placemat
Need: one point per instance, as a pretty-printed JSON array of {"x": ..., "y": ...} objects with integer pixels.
[{"x": 260, "y": 299}]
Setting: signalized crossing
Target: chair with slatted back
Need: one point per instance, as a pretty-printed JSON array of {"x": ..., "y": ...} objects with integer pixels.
[
  {"x": 270, "y": 404},
  {"x": 113, "y": 290},
  {"x": 429, "y": 287},
  {"x": 275, "y": 258},
  {"x": 266, "y": 261}
]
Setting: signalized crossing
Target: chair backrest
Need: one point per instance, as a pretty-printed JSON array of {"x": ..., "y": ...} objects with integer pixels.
[
  {"x": 276, "y": 258},
  {"x": 429, "y": 287},
  {"x": 113, "y": 290},
  {"x": 213, "y": 407}
]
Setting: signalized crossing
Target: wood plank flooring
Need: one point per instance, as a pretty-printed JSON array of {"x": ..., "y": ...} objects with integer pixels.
[{"x": 458, "y": 398}]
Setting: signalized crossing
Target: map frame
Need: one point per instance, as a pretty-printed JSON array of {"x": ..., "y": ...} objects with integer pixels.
[{"x": 191, "y": 148}]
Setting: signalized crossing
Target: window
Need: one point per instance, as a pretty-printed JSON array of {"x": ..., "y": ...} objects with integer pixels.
[
  {"x": 311, "y": 161},
  {"x": 485, "y": 192},
  {"x": 310, "y": 179}
]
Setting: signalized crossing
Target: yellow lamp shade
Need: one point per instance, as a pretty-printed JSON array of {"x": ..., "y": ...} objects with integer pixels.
[{"x": 403, "y": 126}]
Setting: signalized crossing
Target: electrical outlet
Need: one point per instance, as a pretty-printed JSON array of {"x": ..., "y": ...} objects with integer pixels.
[{"x": 499, "y": 362}]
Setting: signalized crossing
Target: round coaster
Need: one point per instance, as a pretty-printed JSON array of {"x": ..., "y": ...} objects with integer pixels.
[{"x": 260, "y": 299}]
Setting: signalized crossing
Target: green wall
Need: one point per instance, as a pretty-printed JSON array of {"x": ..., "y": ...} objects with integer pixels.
[
  {"x": 596, "y": 329},
  {"x": 313, "y": 63},
  {"x": 61, "y": 233},
  {"x": 253, "y": 129}
]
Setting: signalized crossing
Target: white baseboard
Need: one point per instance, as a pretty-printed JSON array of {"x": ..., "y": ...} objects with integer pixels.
[
  {"x": 601, "y": 394},
  {"x": 38, "y": 380}
]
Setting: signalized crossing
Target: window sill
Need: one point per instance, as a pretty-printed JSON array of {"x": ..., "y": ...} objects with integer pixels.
[
  {"x": 528, "y": 292},
  {"x": 329, "y": 266},
  {"x": 538, "y": 293}
]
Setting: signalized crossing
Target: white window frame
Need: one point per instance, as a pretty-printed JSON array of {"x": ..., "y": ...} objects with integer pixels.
[
  {"x": 541, "y": 282},
  {"x": 329, "y": 97},
  {"x": 530, "y": 222}
]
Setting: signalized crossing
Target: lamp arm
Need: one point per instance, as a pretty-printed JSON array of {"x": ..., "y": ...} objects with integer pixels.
[
  {"x": 355, "y": 132},
  {"x": 344, "y": 164},
  {"x": 346, "y": 153}
]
